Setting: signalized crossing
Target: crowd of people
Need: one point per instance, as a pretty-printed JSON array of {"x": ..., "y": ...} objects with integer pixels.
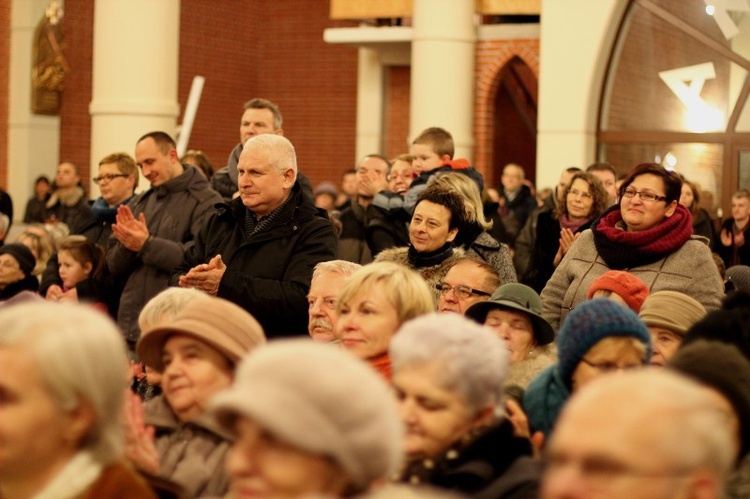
[{"x": 243, "y": 334}]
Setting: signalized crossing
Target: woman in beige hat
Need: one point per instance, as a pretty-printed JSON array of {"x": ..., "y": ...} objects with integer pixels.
[
  {"x": 668, "y": 315},
  {"x": 196, "y": 353},
  {"x": 308, "y": 420}
]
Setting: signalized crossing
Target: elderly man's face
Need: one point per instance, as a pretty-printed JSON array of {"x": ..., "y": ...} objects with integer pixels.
[
  {"x": 512, "y": 177},
  {"x": 602, "y": 451},
  {"x": 262, "y": 187},
  {"x": 321, "y": 305},
  {"x": 467, "y": 275}
]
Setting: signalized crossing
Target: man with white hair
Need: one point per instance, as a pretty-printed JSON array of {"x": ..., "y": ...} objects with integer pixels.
[
  {"x": 259, "y": 251},
  {"x": 327, "y": 280},
  {"x": 646, "y": 434}
]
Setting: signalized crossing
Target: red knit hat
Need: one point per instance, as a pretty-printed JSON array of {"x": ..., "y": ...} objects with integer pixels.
[{"x": 629, "y": 287}]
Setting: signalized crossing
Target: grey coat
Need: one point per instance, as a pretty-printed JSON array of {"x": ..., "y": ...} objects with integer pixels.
[
  {"x": 690, "y": 270},
  {"x": 175, "y": 212}
]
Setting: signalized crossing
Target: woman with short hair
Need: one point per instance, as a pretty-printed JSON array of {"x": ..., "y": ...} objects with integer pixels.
[
  {"x": 62, "y": 388},
  {"x": 448, "y": 377},
  {"x": 374, "y": 302}
]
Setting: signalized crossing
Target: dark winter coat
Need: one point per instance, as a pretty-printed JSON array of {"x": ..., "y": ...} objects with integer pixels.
[
  {"x": 727, "y": 252},
  {"x": 268, "y": 274}
]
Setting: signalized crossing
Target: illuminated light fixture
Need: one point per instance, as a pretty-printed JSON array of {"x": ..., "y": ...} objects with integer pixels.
[
  {"x": 670, "y": 161},
  {"x": 700, "y": 116},
  {"x": 719, "y": 10}
]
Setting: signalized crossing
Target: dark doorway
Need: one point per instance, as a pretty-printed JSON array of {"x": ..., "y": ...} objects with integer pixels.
[{"x": 515, "y": 119}]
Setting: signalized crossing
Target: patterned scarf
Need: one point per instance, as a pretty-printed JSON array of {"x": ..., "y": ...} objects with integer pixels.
[{"x": 623, "y": 250}]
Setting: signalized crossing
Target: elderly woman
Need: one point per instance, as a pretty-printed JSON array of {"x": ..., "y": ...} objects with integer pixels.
[
  {"x": 583, "y": 200},
  {"x": 649, "y": 234},
  {"x": 196, "y": 354},
  {"x": 16, "y": 270},
  {"x": 599, "y": 336},
  {"x": 448, "y": 377},
  {"x": 668, "y": 316},
  {"x": 61, "y": 398},
  {"x": 515, "y": 313},
  {"x": 375, "y": 301},
  {"x": 438, "y": 215},
  {"x": 473, "y": 236},
  {"x": 291, "y": 411}
]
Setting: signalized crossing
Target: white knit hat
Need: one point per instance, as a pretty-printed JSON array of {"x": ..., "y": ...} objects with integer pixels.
[{"x": 320, "y": 399}]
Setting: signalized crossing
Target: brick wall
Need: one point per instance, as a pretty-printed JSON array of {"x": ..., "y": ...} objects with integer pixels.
[
  {"x": 396, "y": 122},
  {"x": 265, "y": 48},
  {"x": 4, "y": 82},
  {"x": 491, "y": 56}
]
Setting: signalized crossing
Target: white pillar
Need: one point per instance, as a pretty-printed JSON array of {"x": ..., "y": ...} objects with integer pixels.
[
  {"x": 369, "y": 103},
  {"x": 135, "y": 74},
  {"x": 33, "y": 140},
  {"x": 442, "y": 70}
]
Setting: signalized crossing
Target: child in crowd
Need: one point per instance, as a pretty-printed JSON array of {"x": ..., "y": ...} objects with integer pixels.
[
  {"x": 80, "y": 262},
  {"x": 621, "y": 287}
]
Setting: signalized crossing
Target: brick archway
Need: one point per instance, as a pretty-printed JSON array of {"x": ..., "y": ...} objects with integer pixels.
[{"x": 492, "y": 55}]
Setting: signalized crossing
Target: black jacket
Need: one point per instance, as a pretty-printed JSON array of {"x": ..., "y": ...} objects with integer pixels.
[
  {"x": 28, "y": 283},
  {"x": 495, "y": 465},
  {"x": 268, "y": 274}
]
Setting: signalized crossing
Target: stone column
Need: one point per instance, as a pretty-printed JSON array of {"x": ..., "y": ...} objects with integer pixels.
[
  {"x": 442, "y": 70},
  {"x": 369, "y": 103},
  {"x": 135, "y": 74}
]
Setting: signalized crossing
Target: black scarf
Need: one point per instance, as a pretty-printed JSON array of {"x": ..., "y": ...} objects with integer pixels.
[{"x": 419, "y": 260}]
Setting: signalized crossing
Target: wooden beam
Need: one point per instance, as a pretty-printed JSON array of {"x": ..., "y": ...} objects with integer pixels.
[
  {"x": 370, "y": 9},
  {"x": 509, "y": 7}
]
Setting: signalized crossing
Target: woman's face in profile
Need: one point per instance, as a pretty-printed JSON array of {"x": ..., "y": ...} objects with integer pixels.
[
  {"x": 430, "y": 228},
  {"x": 36, "y": 435}
]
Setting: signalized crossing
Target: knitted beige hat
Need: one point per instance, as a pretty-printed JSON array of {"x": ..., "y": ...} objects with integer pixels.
[
  {"x": 219, "y": 323},
  {"x": 671, "y": 310},
  {"x": 322, "y": 400}
]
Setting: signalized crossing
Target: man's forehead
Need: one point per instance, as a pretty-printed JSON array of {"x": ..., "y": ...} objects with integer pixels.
[
  {"x": 258, "y": 115},
  {"x": 465, "y": 272},
  {"x": 372, "y": 163}
]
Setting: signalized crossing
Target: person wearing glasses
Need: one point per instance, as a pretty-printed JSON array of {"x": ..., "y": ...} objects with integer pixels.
[
  {"x": 650, "y": 235},
  {"x": 434, "y": 226},
  {"x": 599, "y": 336},
  {"x": 469, "y": 281},
  {"x": 583, "y": 200},
  {"x": 117, "y": 179}
]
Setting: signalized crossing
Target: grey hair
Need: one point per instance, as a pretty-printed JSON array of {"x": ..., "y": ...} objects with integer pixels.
[
  {"x": 164, "y": 307},
  {"x": 342, "y": 267},
  {"x": 473, "y": 360},
  {"x": 278, "y": 150},
  {"x": 80, "y": 355},
  {"x": 696, "y": 431}
]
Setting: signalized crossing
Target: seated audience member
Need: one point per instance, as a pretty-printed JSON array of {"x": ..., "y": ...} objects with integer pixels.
[
  {"x": 374, "y": 302},
  {"x": 16, "y": 267},
  {"x": 468, "y": 281},
  {"x": 61, "y": 397},
  {"x": 620, "y": 287},
  {"x": 738, "y": 278},
  {"x": 437, "y": 217},
  {"x": 80, "y": 264},
  {"x": 599, "y": 336},
  {"x": 327, "y": 281},
  {"x": 68, "y": 203},
  {"x": 649, "y": 435},
  {"x": 648, "y": 233},
  {"x": 35, "y": 207},
  {"x": 584, "y": 199},
  {"x": 38, "y": 239},
  {"x": 473, "y": 236},
  {"x": 295, "y": 435},
  {"x": 401, "y": 174},
  {"x": 448, "y": 377},
  {"x": 515, "y": 313},
  {"x": 196, "y": 355},
  {"x": 702, "y": 223},
  {"x": 668, "y": 315},
  {"x": 325, "y": 195}
]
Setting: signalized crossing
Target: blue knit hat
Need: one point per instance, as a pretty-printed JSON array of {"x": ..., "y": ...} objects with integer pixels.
[{"x": 591, "y": 322}]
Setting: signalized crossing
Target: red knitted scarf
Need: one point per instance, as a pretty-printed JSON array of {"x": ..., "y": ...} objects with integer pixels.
[{"x": 622, "y": 250}]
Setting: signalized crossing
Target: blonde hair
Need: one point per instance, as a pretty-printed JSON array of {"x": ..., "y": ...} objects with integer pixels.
[
  {"x": 467, "y": 188},
  {"x": 405, "y": 289}
]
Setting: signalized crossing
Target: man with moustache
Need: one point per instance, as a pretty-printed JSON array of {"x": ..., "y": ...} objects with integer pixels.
[{"x": 327, "y": 280}]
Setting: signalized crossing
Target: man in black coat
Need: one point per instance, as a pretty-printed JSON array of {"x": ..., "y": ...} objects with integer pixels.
[{"x": 259, "y": 251}]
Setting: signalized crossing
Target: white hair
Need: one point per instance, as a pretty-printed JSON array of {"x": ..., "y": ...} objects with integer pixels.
[
  {"x": 164, "y": 307},
  {"x": 473, "y": 359},
  {"x": 80, "y": 355},
  {"x": 278, "y": 150},
  {"x": 693, "y": 430},
  {"x": 341, "y": 267}
]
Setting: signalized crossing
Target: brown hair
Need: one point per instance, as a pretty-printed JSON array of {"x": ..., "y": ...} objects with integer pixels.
[
  {"x": 439, "y": 139},
  {"x": 598, "y": 193},
  {"x": 672, "y": 181},
  {"x": 84, "y": 251}
]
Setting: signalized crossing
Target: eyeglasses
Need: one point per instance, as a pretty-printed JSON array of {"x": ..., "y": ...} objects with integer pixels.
[
  {"x": 461, "y": 291},
  {"x": 109, "y": 177},
  {"x": 576, "y": 192},
  {"x": 649, "y": 197},
  {"x": 608, "y": 366}
]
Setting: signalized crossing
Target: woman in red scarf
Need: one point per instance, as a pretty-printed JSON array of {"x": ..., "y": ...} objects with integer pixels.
[{"x": 648, "y": 234}]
